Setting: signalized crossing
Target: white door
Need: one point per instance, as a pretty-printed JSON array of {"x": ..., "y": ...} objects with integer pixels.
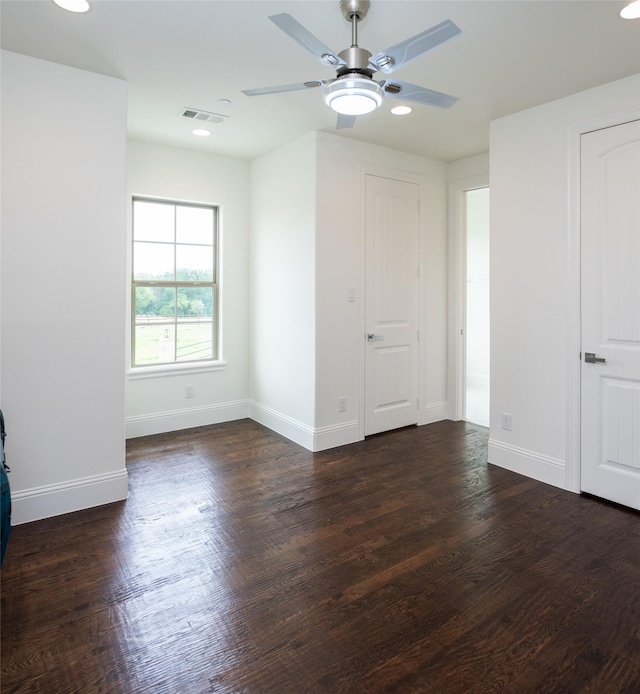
[
  {"x": 392, "y": 280},
  {"x": 610, "y": 297}
]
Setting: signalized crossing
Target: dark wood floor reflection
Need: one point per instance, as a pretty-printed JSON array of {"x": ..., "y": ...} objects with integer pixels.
[{"x": 244, "y": 563}]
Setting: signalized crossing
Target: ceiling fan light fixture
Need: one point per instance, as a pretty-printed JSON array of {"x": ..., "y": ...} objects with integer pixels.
[
  {"x": 353, "y": 96},
  {"x": 631, "y": 11}
]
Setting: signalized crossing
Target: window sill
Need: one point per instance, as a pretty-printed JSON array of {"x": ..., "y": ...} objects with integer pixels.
[{"x": 162, "y": 370}]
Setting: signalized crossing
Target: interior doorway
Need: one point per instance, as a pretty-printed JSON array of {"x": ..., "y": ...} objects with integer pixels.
[{"x": 476, "y": 332}]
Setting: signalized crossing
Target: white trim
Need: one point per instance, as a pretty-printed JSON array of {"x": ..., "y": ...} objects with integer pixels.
[
  {"x": 527, "y": 463},
  {"x": 178, "y": 420},
  {"x": 458, "y": 286},
  {"x": 289, "y": 427},
  {"x": 163, "y": 370},
  {"x": 312, "y": 439},
  {"x": 393, "y": 174},
  {"x": 336, "y": 435},
  {"x": 74, "y": 495},
  {"x": 175, "y": 420},
  {"x": 362, "y": 305},
  {"x": 433, "y": 412},
  {"x": 574, "y": 333}
]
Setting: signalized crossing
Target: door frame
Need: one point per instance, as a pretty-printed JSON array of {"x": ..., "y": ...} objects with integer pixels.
[
  {"x": 574, "y": 304},
  {"x": 458, "y": 293},
  {"x": 421, "y": 182}
]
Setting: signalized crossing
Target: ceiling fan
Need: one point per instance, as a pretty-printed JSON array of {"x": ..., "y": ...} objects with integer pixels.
[{"x": 354, "y": 92}]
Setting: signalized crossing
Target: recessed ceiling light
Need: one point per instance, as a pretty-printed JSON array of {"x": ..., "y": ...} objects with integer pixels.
[
  {"x": 200, "y": 132},
  {"x": 401, "y": 110},
  {"x": 73, "y": 5},
  {"x": 631, "y": 11},
  {"x": 226, "y": 102}
]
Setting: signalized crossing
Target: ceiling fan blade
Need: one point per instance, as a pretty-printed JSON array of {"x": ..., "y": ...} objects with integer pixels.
[
  {"x": 298, "y": 86},
  {"x": 412, "y": 92},
  {"x": 406, "y": 51},
  {"x": 306, "y": 39},
  {"x": 345, "y": 121}
]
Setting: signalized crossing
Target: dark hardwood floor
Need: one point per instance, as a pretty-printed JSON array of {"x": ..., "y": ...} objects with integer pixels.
[{"x": 244, "y": 563}]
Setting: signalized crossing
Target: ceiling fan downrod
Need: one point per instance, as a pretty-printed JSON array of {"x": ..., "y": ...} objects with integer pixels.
[
  {"x": 354, "y": 30},
  {"x": 356, "y": 58}
]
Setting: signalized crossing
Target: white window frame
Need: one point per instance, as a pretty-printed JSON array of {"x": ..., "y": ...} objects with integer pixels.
[{"x": 144, "y": 370}]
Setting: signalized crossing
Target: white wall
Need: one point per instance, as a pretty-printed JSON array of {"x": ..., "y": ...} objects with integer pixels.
[
  {"x": 340, "y": 330},
  {"x": 533, "y": 249},
  {"x": 63, "y": 266},
  {"x": 307, "y": 340},
  {"x": 282, "y": 280},
  {"x": 155, "y": 398},
  {"x": 469, "y": 168}
]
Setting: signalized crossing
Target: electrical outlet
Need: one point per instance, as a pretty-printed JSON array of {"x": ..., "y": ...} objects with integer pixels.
[
  {"x": 506, "y": 421},
  {"x": 189, "y": 391},
  {"x": 342, "y": 404}
]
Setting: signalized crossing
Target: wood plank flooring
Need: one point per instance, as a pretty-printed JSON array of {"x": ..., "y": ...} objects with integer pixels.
[{"x": 244, "y": 563}]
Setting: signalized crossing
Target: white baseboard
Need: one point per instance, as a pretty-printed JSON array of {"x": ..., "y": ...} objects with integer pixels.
[
  {"x": 528, "y": 463},
  {"x": 175, "y": 420},
  {"x": 294, "y": 430},
  {"x": 433, "y": 412},
  {"x": 336, "y": 435},
  {"x": 302, "y": 434},
  {"x": 313, "y": 439},
  {"x": 73, "y": 495}
]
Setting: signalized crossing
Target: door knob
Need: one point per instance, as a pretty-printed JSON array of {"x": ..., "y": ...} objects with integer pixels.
[
  {"x": 590, "y": 358},
  {"x": 374, "y": 338}
]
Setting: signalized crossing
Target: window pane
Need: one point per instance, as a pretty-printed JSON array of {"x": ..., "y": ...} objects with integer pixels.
[
  {"x": 153, "y": 261},
  {"x": 153, "y": 221},
  {"x": 195, "y": 302},
  {"x": 194, "y": 263},
  {"x": 195, "y": 339},
  {"x": 194, "y": 225},
  {"x": 173, "y": 242},
  {"x": 152, "y": 304},
  {"x": 155, "y": 344}
]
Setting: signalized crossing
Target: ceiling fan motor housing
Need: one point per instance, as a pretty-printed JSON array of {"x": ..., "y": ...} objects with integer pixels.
[{"x": 356, "y": 60}]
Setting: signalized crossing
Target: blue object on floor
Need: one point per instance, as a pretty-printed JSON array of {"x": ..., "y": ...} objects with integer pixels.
[{"x": 5, "y": 497}]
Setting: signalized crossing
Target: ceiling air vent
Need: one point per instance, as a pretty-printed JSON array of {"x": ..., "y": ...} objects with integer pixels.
[{"x": 202, "y": 116}]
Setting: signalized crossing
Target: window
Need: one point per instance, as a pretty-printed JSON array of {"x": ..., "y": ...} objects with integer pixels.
[{"x": 174, "y": 289}]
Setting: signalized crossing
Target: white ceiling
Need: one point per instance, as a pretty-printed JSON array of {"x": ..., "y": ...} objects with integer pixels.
[{"x": 512, "y": 55}]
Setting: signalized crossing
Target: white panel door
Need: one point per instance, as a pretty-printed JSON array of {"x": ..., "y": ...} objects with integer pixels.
[
  {"x": 392, "y": 267},
  {"x": 610, "y": 297}
]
